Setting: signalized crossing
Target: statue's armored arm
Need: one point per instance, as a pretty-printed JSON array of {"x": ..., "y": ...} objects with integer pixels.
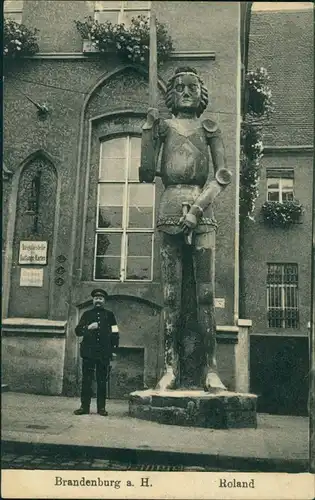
[
  {"x": 222, "y": 175},
  {"x": 150, "y": 146}
]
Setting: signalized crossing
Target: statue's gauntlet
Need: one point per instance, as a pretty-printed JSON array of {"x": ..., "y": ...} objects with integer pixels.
[{"x": 197, "y": 211}]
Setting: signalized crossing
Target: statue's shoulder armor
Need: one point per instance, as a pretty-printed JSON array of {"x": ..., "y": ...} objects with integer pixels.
[{"x": 210, "y": 127}]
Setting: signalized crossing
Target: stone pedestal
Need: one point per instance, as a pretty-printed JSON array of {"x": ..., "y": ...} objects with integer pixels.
[{"x": 193, "y": 408}]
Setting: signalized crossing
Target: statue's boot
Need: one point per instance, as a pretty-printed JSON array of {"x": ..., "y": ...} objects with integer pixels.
[
  {"x": 212, "y": 382},
  {"x": 169, "y": 379}
]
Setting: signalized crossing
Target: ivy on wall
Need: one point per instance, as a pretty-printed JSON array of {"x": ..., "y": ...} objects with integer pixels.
[
  {"x": 259, "y": 106},
  {"x": 131, "y": 43}
]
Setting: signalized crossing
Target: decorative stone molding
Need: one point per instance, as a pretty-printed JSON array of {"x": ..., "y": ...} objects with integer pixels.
[
  {"x": 307, "y": 148},
  {"x": 193, "y": 54},
  {"x": 227, "y": 334},
  {"x": 28, "y": 327},
  {"x": 88, "y": 50},
  {"x": 6, "y": 173}
]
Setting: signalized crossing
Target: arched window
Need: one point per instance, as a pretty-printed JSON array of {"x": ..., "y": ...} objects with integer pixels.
[
  {"x": 125, "y": 214},
  {"x": 13, "y": 10},
  {"x": 120, "y": 11}
]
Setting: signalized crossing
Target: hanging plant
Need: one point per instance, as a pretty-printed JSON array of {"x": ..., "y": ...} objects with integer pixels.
[
  {"x": 251, "y": 154},
  {"x": 259, "y": 101},
  {"x": 258, "y": 106},
  {"x": 131, "y": 43},
  {"x": 282, "y": 214},
  {"x": 18, "y": 40}
]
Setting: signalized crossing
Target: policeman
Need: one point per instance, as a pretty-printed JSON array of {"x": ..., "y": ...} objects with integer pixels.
[{"x": 99, "y": 330}]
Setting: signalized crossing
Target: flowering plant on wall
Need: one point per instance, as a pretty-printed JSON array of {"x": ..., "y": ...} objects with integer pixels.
[
  {"x": 131, "y": 43},
  {"x": 258, "y": 92},
  {"x": 258, "y": 107},
  {"x": 18, "y": 40},
  {"x": 251, "y": 154},
  {"x": 282, "y": 214}
]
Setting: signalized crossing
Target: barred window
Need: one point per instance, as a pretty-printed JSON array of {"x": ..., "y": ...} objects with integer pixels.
[
  {"x": 282, "y": 296},
  {"x": 120, "y": 11},
  {"x": 280, "y": 185},
  {"x": 13, "y": 10},
  {"x": 125, "y": 214}
]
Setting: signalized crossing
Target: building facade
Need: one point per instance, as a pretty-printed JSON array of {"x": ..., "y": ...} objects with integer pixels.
[
  {"x": 72, "y": 197},
  {"x": 277, "y": 260}
]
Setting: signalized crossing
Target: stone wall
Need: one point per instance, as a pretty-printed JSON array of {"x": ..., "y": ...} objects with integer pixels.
[{"x": 69, "y": 86}]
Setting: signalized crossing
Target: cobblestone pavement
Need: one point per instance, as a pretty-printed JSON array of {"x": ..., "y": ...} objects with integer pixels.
[{"x": 64, "y": 462}]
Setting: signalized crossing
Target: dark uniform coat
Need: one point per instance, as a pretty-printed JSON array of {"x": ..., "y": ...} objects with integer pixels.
[{"x": 100, "y": 343}]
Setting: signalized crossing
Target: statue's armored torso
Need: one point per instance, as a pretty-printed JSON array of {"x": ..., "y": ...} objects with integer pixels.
[{"x": 185, "y": 166}]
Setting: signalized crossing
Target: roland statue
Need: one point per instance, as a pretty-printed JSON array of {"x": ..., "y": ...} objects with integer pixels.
[{"x": 188, "y": 154}]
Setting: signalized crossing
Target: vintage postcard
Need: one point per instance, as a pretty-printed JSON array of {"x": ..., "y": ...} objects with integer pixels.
[{"x": 158, "y": 260}]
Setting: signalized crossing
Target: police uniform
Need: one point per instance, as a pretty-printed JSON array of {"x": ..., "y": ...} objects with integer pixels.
[{"x": 96, "y": 350}]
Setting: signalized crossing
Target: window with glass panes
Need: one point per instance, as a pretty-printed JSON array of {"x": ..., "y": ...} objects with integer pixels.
[
  {"x": 125, "y": 214},
  {"x": 282, "y": 296},
  {"x": 13, "y": 10},
  {"x": 120, "y": 12},
  {"x": 280, "y": 185}
]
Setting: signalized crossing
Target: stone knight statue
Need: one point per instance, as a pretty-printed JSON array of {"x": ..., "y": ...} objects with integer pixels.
[{"x": 179, "y": 151}]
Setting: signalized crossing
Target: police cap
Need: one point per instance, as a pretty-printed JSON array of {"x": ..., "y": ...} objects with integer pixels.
[{"x": 99, "y": 291}]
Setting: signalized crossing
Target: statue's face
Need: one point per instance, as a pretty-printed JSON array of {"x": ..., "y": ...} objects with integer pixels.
[{"x": 187, "y": 93}]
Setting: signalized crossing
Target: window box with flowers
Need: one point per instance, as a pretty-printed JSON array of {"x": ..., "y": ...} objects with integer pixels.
[
  {"x": 130, "y": 43},
  {"x": 18, "y": 40},
  {"x": 282, "y": 214}
]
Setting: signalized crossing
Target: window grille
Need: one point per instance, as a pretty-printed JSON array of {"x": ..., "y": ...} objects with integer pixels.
[
  {"x": 282, "y": 296},
  {"x": 13, "y": 10},
  {"x": 125, "y": 214},
  {"x": 120, "y": 11}
]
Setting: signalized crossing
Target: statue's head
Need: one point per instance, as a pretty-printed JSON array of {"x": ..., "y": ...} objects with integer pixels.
[{"x": 186, "y": 92}]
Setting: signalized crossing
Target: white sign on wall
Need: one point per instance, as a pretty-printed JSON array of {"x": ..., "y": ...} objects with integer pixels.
[
  {"x": 219, "y": 303},
  {"x": 31, "y": 277},
  {"x": 33, "y": 252}
]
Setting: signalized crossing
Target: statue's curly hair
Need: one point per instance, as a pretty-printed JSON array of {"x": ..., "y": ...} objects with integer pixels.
[{"x": 169, "y": 98}]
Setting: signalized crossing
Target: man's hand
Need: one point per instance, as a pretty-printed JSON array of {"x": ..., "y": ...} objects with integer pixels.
[
  {"x": 93, "y": 326},
  {"x": 188, "y": 223}
]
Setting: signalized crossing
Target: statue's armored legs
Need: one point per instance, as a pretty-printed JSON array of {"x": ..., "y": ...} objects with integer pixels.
[
  {"x": 204, "y": 261},
  {"x": 171, "y": 267}
]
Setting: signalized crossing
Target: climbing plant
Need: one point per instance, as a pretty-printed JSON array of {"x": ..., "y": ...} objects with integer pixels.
[{"x": 259, "y": 105}]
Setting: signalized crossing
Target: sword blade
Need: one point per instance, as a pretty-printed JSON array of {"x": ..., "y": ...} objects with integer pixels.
[{"x": 153, "y": 93}]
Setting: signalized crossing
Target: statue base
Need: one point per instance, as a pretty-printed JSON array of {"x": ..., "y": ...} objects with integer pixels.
[{"x": 194, "y": 408}]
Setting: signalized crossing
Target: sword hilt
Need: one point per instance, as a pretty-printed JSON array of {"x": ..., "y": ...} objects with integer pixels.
[{"x": 185, "y": 209}]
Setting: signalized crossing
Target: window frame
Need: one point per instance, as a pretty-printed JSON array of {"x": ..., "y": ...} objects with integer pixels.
[
  {"x": 124, "y": 230},
  {"x": 122, "y": 9},
  {"x": 283, "y": 286},
  {"x": 279, "y": 176}
]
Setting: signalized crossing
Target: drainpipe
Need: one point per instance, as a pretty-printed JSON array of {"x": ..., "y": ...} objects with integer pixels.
[{"x": 245, "y": 30}]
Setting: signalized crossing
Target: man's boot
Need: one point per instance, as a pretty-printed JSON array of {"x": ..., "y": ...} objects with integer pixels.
[{"x": 82, "y": 411}]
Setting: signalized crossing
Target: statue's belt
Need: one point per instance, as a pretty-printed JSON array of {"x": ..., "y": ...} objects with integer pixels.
[{"x": 175, "y": 221}]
